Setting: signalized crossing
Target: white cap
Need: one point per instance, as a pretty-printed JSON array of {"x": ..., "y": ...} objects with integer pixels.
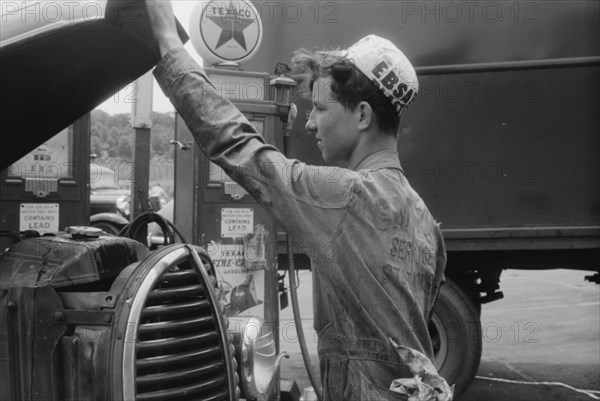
[{"x": 386, "y": 66}]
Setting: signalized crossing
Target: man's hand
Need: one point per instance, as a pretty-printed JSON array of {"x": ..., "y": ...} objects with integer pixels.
[{"x": 162, "y": 22}]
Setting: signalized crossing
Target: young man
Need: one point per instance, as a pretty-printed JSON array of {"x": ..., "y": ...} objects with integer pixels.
[{"x": 377, "y": 254}]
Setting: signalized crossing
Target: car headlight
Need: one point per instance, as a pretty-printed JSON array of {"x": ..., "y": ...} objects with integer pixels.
[
  {"x": 255, "y": 351},
  {"x": 122, "y": 204}
]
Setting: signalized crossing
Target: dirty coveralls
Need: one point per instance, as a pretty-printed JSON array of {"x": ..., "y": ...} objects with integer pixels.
[{"x": 377, "y": 254}]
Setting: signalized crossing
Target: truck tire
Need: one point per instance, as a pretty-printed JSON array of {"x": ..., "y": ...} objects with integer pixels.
[{"x": 455, "y": 330}]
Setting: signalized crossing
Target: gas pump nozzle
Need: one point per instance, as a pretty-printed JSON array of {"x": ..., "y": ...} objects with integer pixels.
[
  {"x": 291, "y": 117},
  {"x": 288, "y": 123}
]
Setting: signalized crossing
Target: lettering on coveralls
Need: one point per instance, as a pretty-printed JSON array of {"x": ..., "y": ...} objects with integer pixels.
[
  {"x": 387, "y": 217},
  {"x": 408, "y": 252}
]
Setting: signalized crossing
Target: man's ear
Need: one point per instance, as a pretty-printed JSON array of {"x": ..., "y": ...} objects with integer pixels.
[{"x": 365, "y": 115}]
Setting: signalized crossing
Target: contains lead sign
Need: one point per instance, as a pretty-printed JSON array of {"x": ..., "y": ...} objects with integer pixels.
[
  {"x": 236, "y": 222},
  {"x": 41, "y": 217}
]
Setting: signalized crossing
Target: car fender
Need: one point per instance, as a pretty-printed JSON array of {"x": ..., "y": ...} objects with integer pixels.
[{"x": 109, "y": 217}]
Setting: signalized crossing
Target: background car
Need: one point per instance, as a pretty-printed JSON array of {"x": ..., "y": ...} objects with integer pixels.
[{"x": 109, "y": 200}]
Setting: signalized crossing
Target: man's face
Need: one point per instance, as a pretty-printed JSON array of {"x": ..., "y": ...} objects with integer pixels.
[{"x": 334, "y": 126}]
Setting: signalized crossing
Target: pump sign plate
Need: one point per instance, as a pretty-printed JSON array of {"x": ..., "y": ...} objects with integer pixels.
[
  {"x": 236, "y": 222},
  {"x": 42, "y": 217}
]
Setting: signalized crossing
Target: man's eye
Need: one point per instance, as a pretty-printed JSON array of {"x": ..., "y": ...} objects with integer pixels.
[{"x": 314, "y": 108}]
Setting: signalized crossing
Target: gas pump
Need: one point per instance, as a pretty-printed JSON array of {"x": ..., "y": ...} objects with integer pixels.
[
  {"x": 47, "y": 189},
  {"x": 215, "y": 212}
]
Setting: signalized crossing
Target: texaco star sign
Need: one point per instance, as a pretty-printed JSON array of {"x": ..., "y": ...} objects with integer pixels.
[{"x": 226, "y": 31}]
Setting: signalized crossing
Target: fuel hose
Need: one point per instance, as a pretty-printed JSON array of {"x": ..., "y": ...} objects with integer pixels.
[{"x": 298, "y": 321}]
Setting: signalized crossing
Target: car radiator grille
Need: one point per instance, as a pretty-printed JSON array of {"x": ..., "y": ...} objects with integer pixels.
[{"x": 179, "y": 353}]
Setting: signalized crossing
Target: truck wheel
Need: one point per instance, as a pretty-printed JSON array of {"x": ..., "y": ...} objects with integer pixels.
[{"x": 455, "y": 330}]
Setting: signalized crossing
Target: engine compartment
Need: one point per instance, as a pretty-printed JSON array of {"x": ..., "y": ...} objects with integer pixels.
[
  {"x": 100, "y": 317},
  {"x": 65, "y": 260}
]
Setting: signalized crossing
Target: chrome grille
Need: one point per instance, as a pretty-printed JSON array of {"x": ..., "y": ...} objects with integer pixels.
[{"x": 179, "y": 353}]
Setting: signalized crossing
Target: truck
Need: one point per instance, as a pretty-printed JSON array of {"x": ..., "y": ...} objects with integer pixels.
[{"x": 501, "y": 144}]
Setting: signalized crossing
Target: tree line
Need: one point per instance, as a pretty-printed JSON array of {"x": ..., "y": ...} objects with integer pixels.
[{"x": 112, "y": 137}]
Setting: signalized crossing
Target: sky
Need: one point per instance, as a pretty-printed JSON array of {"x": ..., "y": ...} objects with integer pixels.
[{"x": 121, "y": 102}]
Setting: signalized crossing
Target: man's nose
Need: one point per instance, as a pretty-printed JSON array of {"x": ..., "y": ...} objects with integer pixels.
[{"x": 311, "y": 126}]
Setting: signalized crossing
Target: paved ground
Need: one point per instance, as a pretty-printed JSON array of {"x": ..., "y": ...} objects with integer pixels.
[{"x": 545, "y": 330}]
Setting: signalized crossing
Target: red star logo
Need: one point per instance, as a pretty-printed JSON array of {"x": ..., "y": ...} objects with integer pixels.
[{"x": 232, "y": 25}]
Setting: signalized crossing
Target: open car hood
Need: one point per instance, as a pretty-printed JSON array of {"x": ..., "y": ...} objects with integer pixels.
[{"x": 59, "y": 60}]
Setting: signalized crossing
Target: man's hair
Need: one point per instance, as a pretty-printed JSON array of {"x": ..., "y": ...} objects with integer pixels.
[{"x": 350, "y": 86}]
